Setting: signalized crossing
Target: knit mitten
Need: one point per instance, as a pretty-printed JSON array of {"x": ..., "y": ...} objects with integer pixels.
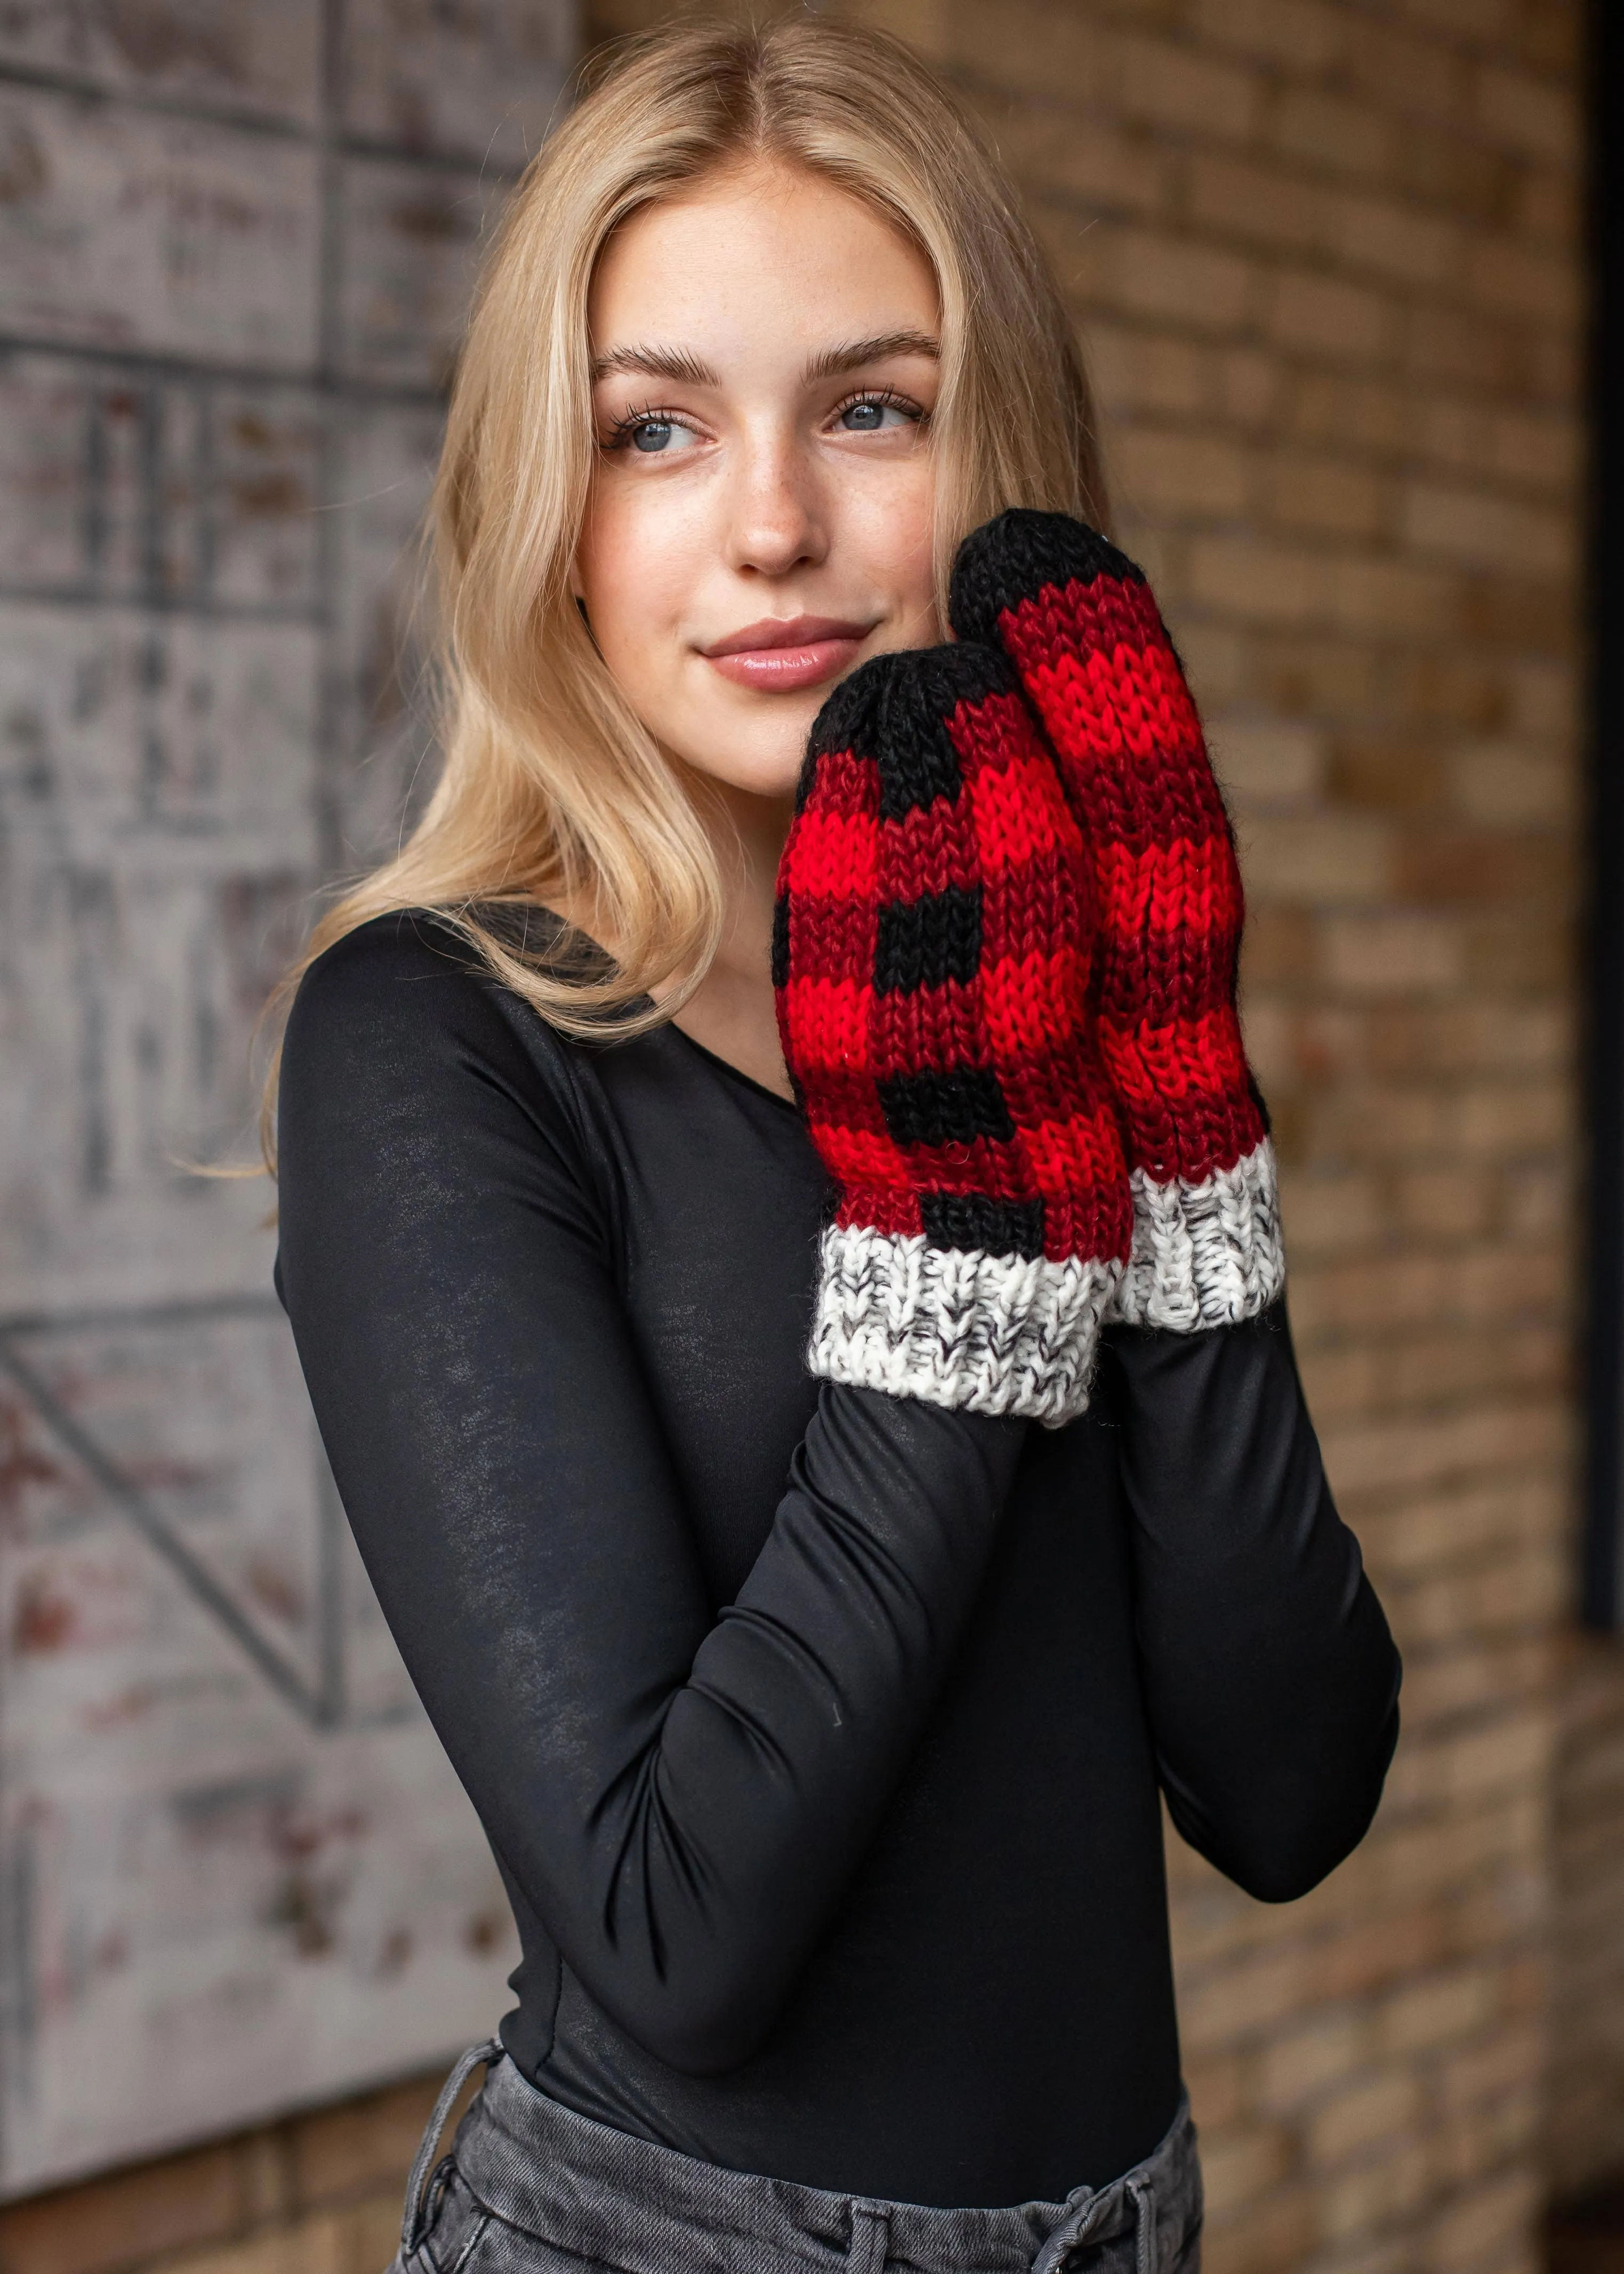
[
  {"x": 1078, "y": 621},
  {"x": 931, "y": 955}
]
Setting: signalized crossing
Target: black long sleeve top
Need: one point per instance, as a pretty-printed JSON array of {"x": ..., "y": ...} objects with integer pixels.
[{"x": 817, "y": 1734}]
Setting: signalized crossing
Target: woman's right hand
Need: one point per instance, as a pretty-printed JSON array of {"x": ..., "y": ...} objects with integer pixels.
[{"x": 933, "y": 946}]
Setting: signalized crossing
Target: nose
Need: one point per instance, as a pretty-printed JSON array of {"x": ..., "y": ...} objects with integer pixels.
[{"x": 776, "y": 516}]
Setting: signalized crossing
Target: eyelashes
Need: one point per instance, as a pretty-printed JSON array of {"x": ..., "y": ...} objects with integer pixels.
[
  {"x": 620, "y": 434},
  {"x": 883, "y": 398}
]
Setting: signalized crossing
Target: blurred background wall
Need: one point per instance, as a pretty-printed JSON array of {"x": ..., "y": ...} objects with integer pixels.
[
  {"x": 235, "y": 244},
  {"x": 1327, "y": 257}
]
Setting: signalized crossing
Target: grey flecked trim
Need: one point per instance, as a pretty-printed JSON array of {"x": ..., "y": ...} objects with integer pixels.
[
  {"x": 981, "y": 1334},
  {"x": 1207, "y": 1254}
]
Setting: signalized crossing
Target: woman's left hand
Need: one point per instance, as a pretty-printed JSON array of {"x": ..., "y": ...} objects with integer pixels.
[{"x": 1078, "y": 621}]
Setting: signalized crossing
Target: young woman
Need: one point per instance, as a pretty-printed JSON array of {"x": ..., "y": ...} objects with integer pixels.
[{"x": 828, "y": 1464}]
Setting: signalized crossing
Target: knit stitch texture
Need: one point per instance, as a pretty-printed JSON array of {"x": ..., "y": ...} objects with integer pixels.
[
  {"x": 932, "y": 956},
  {"x": 1078, "y": 620}
]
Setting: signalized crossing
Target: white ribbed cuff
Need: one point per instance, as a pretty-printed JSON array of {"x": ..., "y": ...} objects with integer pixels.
[
  {"x": 981, "y": 1334},
  {"x": 1207, "y": 1254}
]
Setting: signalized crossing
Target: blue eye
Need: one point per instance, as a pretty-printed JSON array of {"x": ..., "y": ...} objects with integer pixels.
[
  {"x": 652, "y": 433},
  {"x": 869, "y": 417}
]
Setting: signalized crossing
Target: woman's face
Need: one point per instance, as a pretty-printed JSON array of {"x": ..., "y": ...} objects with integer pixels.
[{"x": 761, "y": 513}]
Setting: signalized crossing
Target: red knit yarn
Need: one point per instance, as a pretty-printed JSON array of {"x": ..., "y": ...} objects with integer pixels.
[
  {"x": 933, "y": 960},
  {"x": 1080, "y": 623}
]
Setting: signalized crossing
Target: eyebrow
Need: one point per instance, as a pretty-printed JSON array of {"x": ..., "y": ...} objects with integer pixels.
[
  {"x": 685, "y": 369},
  {"x": 853, "y": 354},
  {"x": 677, "y": 364}
]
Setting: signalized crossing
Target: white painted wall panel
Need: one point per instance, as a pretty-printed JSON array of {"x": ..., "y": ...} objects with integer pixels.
[
  {"x": 236, "y": 1870},
  {"x": 122, "y": 228}
]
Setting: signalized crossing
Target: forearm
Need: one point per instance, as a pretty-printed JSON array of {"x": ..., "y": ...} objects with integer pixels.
[
  {"x": 1270, "y": 1674},
  {"x": 767, "y": 1775}
]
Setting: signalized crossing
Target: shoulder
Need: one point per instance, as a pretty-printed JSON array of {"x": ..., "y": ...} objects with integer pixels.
[
  {"x": 405, "y": 1001},
  {"x": 401, "y": 948},
  {"x": 410, "y": 968}
]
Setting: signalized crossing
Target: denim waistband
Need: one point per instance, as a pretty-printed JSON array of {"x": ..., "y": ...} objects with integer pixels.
[{"x": 617, "y": 2201}]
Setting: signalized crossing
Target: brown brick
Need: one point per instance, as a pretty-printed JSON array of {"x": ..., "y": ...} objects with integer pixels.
[
  {"x": 1510, "y": 280},
  {"x": 1267, "y": 763},
  {"x": 1310, "y": 313},
  {"x": 1317, "y": 859},
  {"x": 354, "y": 2241},
  {"x": 1144, "y": 373},
  {"x": 1106, "y": 167},
  {"x": 362, "y": 2147},
  {"x": 1388, "y": 773},
  {"x": 1363, "y": 2115},
  {"x": 1538, "y": 451},
  {"x": 1370, "y": 417},
  {"x": 1464, "y": 19},
  {"x": 1376, "y": 2194},
  {"x": 1414, "y": 76},
  {"x": 1021, "y": 47},
  {"x": 1389, "y": 239},
  {"x": 1217, "y": 2089},
  {"x": 1530, "y": 115},
  {"x": 1248, "y": 389},
  {"x": 1499, "y": 2212},
  {"x": 1327, "y": 131},
  {"x": 1170, "y": 85},
  {"x": 1453, "y": 864},
  {"x": 1247, "y": 198},
  {"x": 1393, "y": 951},
  {"x": 1281, "y": 943},
  {"x": 1196, "y": 476},
  {"x": 1191, "y": 283},
  {"x": 1305, "y": 35},
  {"x": 1438, "y": 1202},
  {"x": 1301, "y": 2064},
  {"x": 1270, "y": 2237},
  {"x": 1545, "y": 204},
  {"x": 1321, "y": 497},
  {"x": 122, "y": 2221},
  {"x": 1509, "y": 785}
]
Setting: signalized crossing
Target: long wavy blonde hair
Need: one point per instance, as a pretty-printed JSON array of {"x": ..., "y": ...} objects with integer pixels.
[{"x": 551, "y": 791}]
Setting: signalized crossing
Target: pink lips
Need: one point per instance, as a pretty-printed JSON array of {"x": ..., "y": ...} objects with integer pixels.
[{"x": 787, "y": 651}]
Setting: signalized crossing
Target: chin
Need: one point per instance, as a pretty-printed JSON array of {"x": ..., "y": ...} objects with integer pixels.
[{"x": 767, "y": 768}]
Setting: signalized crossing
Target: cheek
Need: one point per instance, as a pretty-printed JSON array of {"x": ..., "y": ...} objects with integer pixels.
[
  {"x": 890, "y": 526},
  {"x": 635, "y": 566}
]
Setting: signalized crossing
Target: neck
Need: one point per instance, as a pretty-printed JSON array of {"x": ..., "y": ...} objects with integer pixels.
[{"x": 731, "y": 1012}]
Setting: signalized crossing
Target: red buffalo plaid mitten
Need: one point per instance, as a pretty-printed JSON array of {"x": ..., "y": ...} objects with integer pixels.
[
  {"x": 931, "y": 956},
  {"x": 1078, "y": 621}
]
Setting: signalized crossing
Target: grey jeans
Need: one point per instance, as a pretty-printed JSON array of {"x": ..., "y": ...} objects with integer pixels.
[{"x": 530, "y": 2187}]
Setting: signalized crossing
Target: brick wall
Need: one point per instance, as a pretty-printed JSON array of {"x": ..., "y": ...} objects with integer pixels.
[{"x": 1325, "y": 254}]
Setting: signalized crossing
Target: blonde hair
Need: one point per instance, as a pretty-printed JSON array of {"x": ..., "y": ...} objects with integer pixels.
[{"x": 551, "y": 791}]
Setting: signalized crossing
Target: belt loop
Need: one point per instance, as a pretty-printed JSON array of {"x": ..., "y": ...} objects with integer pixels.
[
  {"x": 1087, "y": 2212},
  {"x": 1146, "y": 2253},
  {"x": 412, "y": 2218},
  {"x": 870, "y": 2240}
]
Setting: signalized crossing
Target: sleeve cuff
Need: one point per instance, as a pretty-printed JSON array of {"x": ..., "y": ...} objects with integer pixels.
[
  {"x": 1208, "y": 1254},
  {"x": 978, "y": 1333}
]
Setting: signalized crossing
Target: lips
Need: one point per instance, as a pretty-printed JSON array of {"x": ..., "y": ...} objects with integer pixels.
[{"x": 780, "y": 653}]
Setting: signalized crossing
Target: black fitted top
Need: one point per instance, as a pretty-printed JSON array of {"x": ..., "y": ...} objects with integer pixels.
[{"x": 817, "y": 1734}]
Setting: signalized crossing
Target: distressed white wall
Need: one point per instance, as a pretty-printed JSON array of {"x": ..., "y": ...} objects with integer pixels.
[{"x": 235, "y": 241}]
